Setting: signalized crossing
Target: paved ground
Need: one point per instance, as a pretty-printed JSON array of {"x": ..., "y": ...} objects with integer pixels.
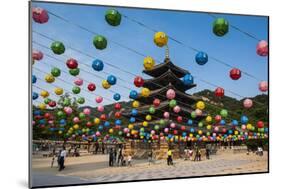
[{"x": 93, "y": 169}]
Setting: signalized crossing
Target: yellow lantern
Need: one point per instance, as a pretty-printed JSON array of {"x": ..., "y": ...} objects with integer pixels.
[
  {"x": 97, "y": 121},
  {"x": 249, "y": 126},
  {"x": 42, "y": 106},
  {"x": 44, "y": 94},
  {"x": 200, "y": 105},
  {"x": 136, "y": 104},
  {"x": 49, "y": 78},
  {"x": 190, "y": 135},
  {"x": 200, "y": 132},
  {"x": 58, "y": 91},
  {"x": 236, "y": 132},
  {"x": 76, "y": 126},
  {"x": 148, "y": 63},
  {"x": 160, "y": 39},
  {"x": 110, "y": 131},
  {"x": 130, "y": 126},
  {"x": 60, "y": 132},
  {"x": 145, "y": 92},
  {"x": 148, "y": 117},
  {"x": 209, "y": 127},
  {"x": 208, "y": 119},
  {"x": 105, "y": 84},
  {"x": 145, "y": 123}
]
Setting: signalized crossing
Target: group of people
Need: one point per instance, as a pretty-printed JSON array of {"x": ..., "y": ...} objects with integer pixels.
[
  {"x": 116, "y": 157},
  {"x": 61, "y": 156}
]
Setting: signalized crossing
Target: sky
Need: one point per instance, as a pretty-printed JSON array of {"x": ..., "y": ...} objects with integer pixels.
[{"x": 193, "y": 29}]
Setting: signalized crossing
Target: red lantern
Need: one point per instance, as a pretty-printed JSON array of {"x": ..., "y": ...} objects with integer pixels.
[
  {"x": 117, "y": 106},
  {"x": 218, "y": 118},
  {"x": 91, "y": 87},
  {"x": 183, "y": 128},
  {"x": 37, "y": 55},
  {"x": 103, "y": 117},
  {"x": 224, "y": 130},
  {"x": 219, "y": 92},
  {"x": 156, "y": 102},
  {"x": 117, "y": 114},
  {"x": 52, "y": 103},
  {"x": 138, "y": 81},
  {"x": 175, "y": 132},
  {"x": 71, "y": 63},
  {"x": 179, "y": 119},
  {"x": 47, "y": 115},
  {"x": 40, "y": 15},
  {"x": 89, "y": 124},
  {"x": 260, "y": 124},
  {"x": 235, "y": 74}
]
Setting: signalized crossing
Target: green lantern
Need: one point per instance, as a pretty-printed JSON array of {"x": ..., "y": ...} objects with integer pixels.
[
  {"x": 220, "y": 27},
  {"x": 152, "y": 110},
  {"x": 100, "y": 42},
  {"x": 58, "y": 47},
  {"x": 66, "y": 102},
  {"x": 76, "y": 90},
  {"x": 224, "y": 113},
  {"x": 172, "y": 103},
  {"x": 60, "y": 114},
  {"x": 193, "y": 114},
  {"x": 156, "y": 127},
  {"x": 74, "y": 71},
  {"x": 81, "y": 100},
  {"x": 200, "y": 124},
  {"x": 55, "y": 72},
  {"x": 162, "y": 122},
  {"x": 47, "y": 100},
  {"x": 82, "y": 115},
  {"x": 113, "y": 17}
]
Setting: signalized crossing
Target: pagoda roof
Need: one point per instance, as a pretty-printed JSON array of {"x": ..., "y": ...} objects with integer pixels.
[
  {"x": 161, "y": 68},
  {"x": 167, "y": 78},
  {"x": 161, "y": 94}
]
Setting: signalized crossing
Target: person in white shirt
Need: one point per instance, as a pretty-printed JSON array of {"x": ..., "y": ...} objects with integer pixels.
[{"x": 62, "y": 158}]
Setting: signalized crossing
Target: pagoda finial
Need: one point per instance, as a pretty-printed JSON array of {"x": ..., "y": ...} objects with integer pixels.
[{"x": 167, "y": 52}]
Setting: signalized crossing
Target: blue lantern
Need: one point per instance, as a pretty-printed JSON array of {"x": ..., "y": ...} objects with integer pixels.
[
  {"x": 244, "y": 119},
  {"x": 201, "y": 58},
  {"x": 222, "y": 122},
  {"x": 188, "y": 79},
  {"x": 230, "y": 131},
  {"x": 42, "y": 121},
  {"x": 34, "y": 95},
  {"x": 107, "y": 124},
  {"x": 118, "y": 122},
  {"x": 192, "y": 130},
  {"x": 34, "y": 79},
  {"x": 37, "y": 112},
  {"x": 189, "y": 122},
  {"x": 132, "y": 120},
  {"x": 111, "y": 80},
  {"x": 184, "y": 134},
  {"x": 133, "y": 94},
  {"x": 62, "y": 122},
  {"x": 97, "y": 65},
  {"x": 100, "y": 128},
  {"x": 134, "y": 112},
  {"x": 234, "y": 122},
  {"x": 116, "y": 96}
]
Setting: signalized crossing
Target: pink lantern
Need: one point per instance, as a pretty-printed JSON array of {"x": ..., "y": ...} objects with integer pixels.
[
  {"x": 98, "y": 134},
  {"x": 78, "y": 81},
  {"x": 248, "y": 103},
  {"x": 177, "y": 109},
  {"x": 243, "y": 127},
  {"x": 262, "y": 48},
  {"x": 87, "y": 111},
  {"x": 173, "y": 125},
  {"x": 100, "y": 108},
  {"x": 166, "y": 130},
  {"x": 152, "y": 132},
  {"x": 170, "y": 94},
  {"x": 218, "y": 118},
  {"x": 216, "y": 129},
  {"x": 263, "y": 86},
  {"x": 37, "y": 55},
  {"x": 166, "y": 115},
  {"x": 68, "y": 110},
  {"x": 76, "y": 120},
  {"x": 126, "y": 130},
  {"x": 40, "y": 15},
  {"x": 179, "y": 119},
  {"x": 99, "y": 99},
  {"x": 198, "y": 112}
]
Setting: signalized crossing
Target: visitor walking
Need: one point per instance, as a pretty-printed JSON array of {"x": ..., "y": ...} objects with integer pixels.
[
  {"x": 62, "y": 158},
  {"x": 150, "y": 155},
  {"x": 170, "y": 158},
  {"x": 111, "y": 158},
  {"x": 185, "y": 154},
  {"x": 120, "y": 156},
  {"x": 58, "y": 158},
  {"x": 102, "y": 148},
  {"x": 197, "y": 154},
  {"x": 207, "y": 153},
  {"x": 190, "y": 154},
  {"x": 97, "y": 147},
  {"x": 129, "y": 160}
]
